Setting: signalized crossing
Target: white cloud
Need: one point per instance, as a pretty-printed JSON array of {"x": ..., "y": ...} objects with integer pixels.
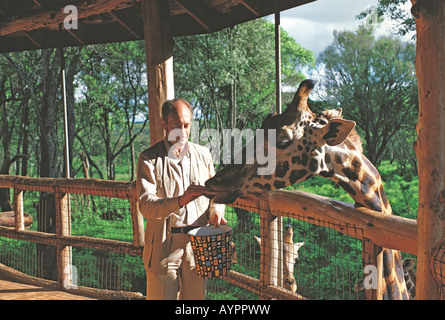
[{"x": 313, "y": 24}]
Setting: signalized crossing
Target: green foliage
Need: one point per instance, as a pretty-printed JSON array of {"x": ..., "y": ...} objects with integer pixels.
[
  {"x": 396, "y": 12},
  {"x": 374, "y": 81},
  {"x": 229, "y": 76},
  {"x": 402, "y": 189}
]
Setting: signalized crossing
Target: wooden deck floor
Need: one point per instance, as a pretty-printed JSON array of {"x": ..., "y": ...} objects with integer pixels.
[{"x": 19, "y": 291}]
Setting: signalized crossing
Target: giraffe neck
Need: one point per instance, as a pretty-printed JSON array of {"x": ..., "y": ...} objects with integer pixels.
[{"x": 357, "y": 175}]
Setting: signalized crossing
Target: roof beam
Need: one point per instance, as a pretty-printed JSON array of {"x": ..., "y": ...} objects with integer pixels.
[
  {"x": 33, "y": 40},
  {"x": 52, "y": 19},
  {"x": 195, "y": 11},
  {"x": 78, "y": 34},
  {"x": 128, "y": 22},
  {"x": 249, "y": 7},
  {"x": 37, "y": 3}
]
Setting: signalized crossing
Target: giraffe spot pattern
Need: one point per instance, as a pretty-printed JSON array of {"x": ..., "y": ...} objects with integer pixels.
[
  {"x": 366, "y": 183},
  {"x": 279, "y": 184},
  {"x": 265, "y": 187},
  {"x": 297, "y": 175},
  {"x": 281, "y": 169},
  {"x": 347, "y": 187}
]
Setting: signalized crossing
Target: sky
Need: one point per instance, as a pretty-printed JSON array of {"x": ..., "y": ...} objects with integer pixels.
[{"x": 312, "y": 25}]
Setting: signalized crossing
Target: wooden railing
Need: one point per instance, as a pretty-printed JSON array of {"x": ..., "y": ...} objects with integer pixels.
[
  {"x": 62, "y": 238},
  {"x": 386, "y": 231},
  {"x": 383, "y": 230}
]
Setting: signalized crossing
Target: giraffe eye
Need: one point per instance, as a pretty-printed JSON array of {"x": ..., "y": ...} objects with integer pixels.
[
  {"x": 284, "y": 138},
  {"x": 282, "y": 144}
]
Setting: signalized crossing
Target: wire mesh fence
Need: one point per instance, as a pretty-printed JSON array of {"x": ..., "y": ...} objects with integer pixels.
[
  {"x": 329, "y": 264},
  {"x": 91, "y": 216}
]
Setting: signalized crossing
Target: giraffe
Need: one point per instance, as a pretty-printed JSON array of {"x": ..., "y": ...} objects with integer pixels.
[
  {"x": 410, "y": 276},
  {"x": 290, "y": 255},
  {"x": 308, "y": 144},
  {"x": 408, "y": 273}
]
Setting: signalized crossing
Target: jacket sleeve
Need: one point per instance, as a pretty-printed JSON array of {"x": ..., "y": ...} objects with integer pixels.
[{"x": 150, "y": 205}]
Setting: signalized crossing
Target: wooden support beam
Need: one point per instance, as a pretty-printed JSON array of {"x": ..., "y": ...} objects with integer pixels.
[
  {"x": 18, "y": 206},
  {"x": 159, "y": 52},
  {"x": 33, "y": 40},
  {"x": 137, "y": 223},
  {"x": 195, "y": 11},
  {"x": 64, "y": 252},
  {"x": 249, "y": 7},
  {"x": 128, "y": 22},
  {"x": 78, "y": 34},
  {"x": 53, "y": 18},
  {"x": 269, "y": 246},
  {"x": 430, "y": 144},
  {"x": 37, "y": 3}
]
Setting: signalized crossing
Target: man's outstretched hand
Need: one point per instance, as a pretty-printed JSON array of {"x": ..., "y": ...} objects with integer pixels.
[{"x": 192, "y": 192}]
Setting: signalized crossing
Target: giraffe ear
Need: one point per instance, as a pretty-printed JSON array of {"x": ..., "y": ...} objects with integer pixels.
[
  {"x": 336, "y": 131},
  {"x": 298, "y": 245}
]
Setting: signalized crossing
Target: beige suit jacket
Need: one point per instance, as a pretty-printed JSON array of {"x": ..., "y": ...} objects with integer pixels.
[{"x": 157, "y": 201}]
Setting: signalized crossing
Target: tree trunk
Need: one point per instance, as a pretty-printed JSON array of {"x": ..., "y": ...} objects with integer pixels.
[
  {"x": 46, "y": 214},
  {"x": 6, "y": 130},
  {"x": 25, "y": 139},
  {"x": 70, "y": 105}
]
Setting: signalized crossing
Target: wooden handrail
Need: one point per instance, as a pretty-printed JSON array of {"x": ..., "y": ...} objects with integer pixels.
[
  {"x": 111, "y": 188},
  {"x": 388, "y": 231}
]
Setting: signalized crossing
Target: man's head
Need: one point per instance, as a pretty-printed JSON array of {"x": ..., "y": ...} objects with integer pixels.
[{"x": 177, "y": 117}]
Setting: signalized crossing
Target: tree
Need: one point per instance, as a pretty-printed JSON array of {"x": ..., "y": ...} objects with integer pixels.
[
  {"x": 229, "y": 76},
  {"x": 374, "y": 81},
  {"x": 10, "y": 107},
  {"x": 114, "y": 94},
  {"x": 395, "y": 11}
]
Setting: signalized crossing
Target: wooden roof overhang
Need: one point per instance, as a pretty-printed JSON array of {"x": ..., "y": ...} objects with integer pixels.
[{"x": 37, "y": 24}]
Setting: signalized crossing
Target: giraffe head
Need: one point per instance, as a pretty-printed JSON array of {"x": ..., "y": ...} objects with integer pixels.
[
  {"x": 297, "y": 139},
  {"x": 290, "y": 255}
]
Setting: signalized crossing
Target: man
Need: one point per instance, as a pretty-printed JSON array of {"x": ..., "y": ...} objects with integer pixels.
[{"x": 170, "y": 179}]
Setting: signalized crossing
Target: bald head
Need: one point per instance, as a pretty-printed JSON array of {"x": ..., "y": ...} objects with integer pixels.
[
  {"x": 177, "y": 106},
  {"x": 177, "y": 116}
]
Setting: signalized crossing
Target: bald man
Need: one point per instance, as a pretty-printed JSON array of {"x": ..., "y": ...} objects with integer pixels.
[{"x": 170, "y": 179}]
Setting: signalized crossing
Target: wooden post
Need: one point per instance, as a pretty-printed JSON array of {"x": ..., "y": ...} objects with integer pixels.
[
  {"x": 137, "y": 223},
  {"x": 18, "y": 208},
  {"x": 373, "y": 262},
  {"x": 159, "y": 53},
  {"x": 278, "y": 110},
  {"x": 430, "y": 144},
  {"x": 64, "y": 253},
  {"x": 269, "y": 246}
]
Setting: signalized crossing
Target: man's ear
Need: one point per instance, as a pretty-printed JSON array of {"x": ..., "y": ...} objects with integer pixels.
[{"x": 336, "y": 131}]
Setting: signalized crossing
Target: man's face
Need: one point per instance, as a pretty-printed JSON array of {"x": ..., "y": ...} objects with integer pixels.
[{"x": 178, "y": 125}]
